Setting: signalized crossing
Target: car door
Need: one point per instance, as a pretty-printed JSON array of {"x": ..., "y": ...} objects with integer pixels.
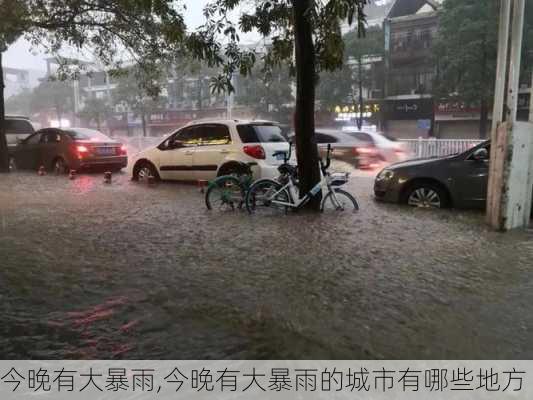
[
  {"x": 50, "y": 147},
  {"x": 27, "y": 154},
  {"x": 215, "y": 146},
  {"x": 471, "y": 180},
  {"x": 175, "y": 159}
]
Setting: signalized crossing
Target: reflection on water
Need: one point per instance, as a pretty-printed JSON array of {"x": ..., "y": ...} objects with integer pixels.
[{"x": 124, "y": 270}]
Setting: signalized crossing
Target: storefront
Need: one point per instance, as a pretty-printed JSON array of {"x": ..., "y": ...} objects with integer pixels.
[
  {"x": 457, "y": 120},
  {"x": 409, "y": 118},
  {"x": 349, "y": 114}
]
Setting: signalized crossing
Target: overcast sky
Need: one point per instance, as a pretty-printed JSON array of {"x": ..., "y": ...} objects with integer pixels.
[{"x": 19, "y": 55}]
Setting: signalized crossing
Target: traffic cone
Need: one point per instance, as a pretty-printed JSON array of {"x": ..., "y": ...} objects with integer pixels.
[
  {"x": 72, "y": 174},
  {"x": 41, "y": 171},
  {"x": 107, "y": 177}
]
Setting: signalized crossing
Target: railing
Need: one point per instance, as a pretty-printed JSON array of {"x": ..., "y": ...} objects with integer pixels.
[{"x": 422, "y": 148}]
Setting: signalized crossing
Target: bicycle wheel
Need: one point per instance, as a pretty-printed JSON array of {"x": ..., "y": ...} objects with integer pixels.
[
  {"x": 260, "y": 200},
  {"x": 224, "y": 193},
  {"x": 339, "y": 200}
]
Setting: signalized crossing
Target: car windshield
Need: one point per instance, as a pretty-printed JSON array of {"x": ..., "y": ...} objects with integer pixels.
[
  {"x": 18, "y": 126},
  {"x": 87, "y": 134},
  {"x": 257, "y": 133}
]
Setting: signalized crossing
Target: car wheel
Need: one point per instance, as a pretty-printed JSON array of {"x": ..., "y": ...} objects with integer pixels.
[
  {"x": 143, "y": 171},
  {"x": 427, "y": 195},
  {"x": 60, "y": 166},
  {"x": 12, "y": 164}
]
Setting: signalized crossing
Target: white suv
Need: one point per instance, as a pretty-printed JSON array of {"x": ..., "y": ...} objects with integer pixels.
[{"x": 203, "y": 150}]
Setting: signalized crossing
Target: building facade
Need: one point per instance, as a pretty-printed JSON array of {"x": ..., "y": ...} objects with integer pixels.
[{"x": 409, "y": 29}]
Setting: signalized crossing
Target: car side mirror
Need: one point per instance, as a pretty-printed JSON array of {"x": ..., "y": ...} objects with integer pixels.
[{"x": 481, "y": 154}]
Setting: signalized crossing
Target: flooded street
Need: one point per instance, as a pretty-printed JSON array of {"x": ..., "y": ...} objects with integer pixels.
[{"x": 127, "y": 270}]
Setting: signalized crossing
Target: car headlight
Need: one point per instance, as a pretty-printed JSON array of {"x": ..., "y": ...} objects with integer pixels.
[{"x": 385, "y": 175}]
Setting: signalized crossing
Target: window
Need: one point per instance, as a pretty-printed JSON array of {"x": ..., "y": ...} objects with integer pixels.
[
  {"x": 190, "y": 136},
  {"x": 363, "y": 137},
  {"x": 18, "y": 127},
  {"x": 51, "y": 137},
  {"x": 323, "y": 138},
  {"x": 87, "y": 134},
  {"x": 34, "y": 139},
  {"x": 256, "y": 133},
  {"x": 212, "y": 135}
]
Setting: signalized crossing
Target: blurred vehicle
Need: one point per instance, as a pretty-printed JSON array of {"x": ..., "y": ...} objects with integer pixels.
[
  {"x": 387, "y": 149},
  {"x": 345, "y": 147},
  {"x": 70, "y": 148},
  {"x": 459, "y": 180},
  {"x": 17, "y": 128},
  {"x": 203, "y": 150}
]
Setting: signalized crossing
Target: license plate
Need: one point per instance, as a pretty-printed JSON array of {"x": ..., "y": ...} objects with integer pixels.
[
  {"x": 105, "y": 151},
  {"x": 280, "y": 156}
]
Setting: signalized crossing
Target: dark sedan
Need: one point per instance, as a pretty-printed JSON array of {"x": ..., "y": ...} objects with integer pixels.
[
  {"x": 459, "y": 180},
  {"x": 64, "y": 149}
]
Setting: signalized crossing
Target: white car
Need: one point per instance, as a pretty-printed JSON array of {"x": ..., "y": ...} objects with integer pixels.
[
  {"x": 387, "y": 150},
  {"x": 203, "y": 150}
]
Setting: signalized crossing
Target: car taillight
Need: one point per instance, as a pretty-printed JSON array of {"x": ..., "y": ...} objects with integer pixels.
[
  {"x": 256, "y": 151},
  {"x": 364, "y": 151},
  {"x": 81, "y": 151},
  {"x": 123, "y": 150}
]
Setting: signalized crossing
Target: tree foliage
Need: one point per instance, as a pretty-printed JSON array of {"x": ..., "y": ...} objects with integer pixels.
[
  {"x": 466, "y": 50},
  {"x": 20, "y": 103},
  {"x": 342, "y": 85},
  {"x": 95, "y": 109},
  {"x": 138, "y": 95},
  {"x": 53, "y": 95},
  {"x": 268, "y": 94},
  {"x": 148, "y": 33},
  {"x": 217, "y": 40}
]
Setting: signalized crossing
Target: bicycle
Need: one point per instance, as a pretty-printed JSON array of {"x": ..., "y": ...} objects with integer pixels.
[
  {"x": 268, "y": 194},
  {"x": 227, "y": 192}
]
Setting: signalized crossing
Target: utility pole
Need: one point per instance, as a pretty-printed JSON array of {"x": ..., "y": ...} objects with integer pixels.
[
  {"x": 531, "y": 99},
  {"x": 510, "y": 172}
]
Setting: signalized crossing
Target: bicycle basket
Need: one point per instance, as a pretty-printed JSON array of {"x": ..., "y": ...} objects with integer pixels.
[{"x": 338, "y": 178}]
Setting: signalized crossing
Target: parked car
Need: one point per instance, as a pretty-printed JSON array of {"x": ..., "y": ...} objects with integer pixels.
[
  {"x": 387, "y": 149},
  {"x": 203, "y": 150},
  {"x": 459, "y": 180},
  {"x": 345, "y": 147},
  {"x": 64, "y": 149},
  {"x": 17, "y": 128}
]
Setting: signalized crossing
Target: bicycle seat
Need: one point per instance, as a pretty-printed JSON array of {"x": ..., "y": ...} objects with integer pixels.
[{"x": 288, "y": 169}]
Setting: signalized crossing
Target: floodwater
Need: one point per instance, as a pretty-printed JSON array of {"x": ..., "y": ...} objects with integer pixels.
[{"x": 126, "y": 270}]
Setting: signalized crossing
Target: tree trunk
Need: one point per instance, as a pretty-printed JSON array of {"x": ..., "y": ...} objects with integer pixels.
[
  {"x": 361, "y": 102},
  {"x": 4, "y": 155},
  {"x": 483, "y": 119},
  {"x": 304, "y": 115}
]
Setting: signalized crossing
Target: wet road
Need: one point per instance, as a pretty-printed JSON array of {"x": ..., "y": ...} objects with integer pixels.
[{"x": 125, "y": 270}]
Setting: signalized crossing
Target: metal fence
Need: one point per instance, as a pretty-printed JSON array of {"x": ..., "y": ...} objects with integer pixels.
[{"x": 422, "y": 148}]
